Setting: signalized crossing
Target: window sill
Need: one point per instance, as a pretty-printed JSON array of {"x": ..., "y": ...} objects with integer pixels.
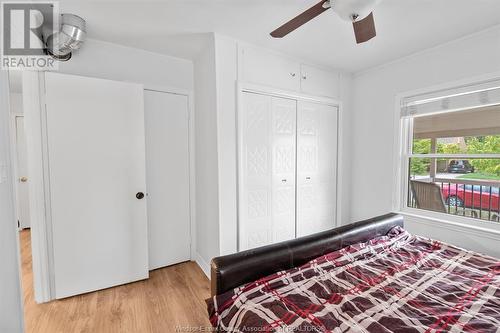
[{"x": 456, "y": 223}]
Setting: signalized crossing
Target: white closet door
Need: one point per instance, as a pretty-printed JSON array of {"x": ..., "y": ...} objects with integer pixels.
[
  {"x": 167, "y": 166},
  {"x": 283, "y": 135},
  {"x": 316, "y": 167},
  {"x": 96, "y": 159},
  {"x": 267, "y": 167}
]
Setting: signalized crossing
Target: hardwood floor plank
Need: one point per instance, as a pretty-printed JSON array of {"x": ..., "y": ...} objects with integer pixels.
[{"x": 172, "y": 297}]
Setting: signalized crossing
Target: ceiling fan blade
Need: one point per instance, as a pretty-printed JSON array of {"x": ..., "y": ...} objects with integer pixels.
[
  {"x": 364, "y": 29},
  {"x": 299, "y": 20}
]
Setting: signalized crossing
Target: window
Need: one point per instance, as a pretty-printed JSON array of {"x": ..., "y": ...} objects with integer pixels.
[{"x": 451, "y": 154}]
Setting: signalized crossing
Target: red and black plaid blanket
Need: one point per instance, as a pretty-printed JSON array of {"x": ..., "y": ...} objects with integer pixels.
[{"x": 395, "y": 283}]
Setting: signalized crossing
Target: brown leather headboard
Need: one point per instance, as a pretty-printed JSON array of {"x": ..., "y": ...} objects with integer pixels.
[{"x": 231, "y": 271}]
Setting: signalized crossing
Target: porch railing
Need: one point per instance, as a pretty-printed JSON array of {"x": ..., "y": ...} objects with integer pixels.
[{"x": 471, "y": 198}]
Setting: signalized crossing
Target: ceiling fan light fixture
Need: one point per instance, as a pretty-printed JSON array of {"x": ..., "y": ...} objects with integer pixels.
[
  {"x": 70, "y": 37},
  {"x": 353, "y": 10}
]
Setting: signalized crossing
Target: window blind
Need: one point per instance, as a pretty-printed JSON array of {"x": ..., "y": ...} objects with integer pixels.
[{"x": 461, "y": 98}]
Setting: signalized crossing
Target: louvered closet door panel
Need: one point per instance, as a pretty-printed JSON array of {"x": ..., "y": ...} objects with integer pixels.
[
  {"x": 267, "y": 170},
  {"x": 284, "y": 116},
  {"x": 316, "y": 167}
]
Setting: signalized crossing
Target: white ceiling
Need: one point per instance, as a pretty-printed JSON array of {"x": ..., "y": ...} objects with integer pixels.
[{"x": 180, "y": 27}]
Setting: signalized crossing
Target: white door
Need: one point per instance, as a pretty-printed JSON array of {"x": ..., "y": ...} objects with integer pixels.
[
  {"x": 267, "y": 168},
  {"x": 316, "y": 167},
  {"x": 283, "y": 129},
  {"x": 23, "y": 209},
  {"x": 167, "y": 170},
  {"x": 96, "y": 147}
]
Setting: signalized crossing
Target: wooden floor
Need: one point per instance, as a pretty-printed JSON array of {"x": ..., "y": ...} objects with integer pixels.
[{"x": 171, "y": 300}]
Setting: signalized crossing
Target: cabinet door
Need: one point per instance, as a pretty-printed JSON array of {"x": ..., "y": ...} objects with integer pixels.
[
  {"x": 267, "y": 170},
  {"x": 269, "y": 69},
  {"x": 316, "y": 167},
  {"x": 319, "y": 82}
]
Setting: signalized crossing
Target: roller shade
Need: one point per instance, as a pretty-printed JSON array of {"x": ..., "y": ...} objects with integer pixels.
[{"x": 461, "y": 98}]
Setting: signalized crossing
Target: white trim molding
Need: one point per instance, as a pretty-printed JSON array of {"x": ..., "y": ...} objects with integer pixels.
[
  {"x": 15, "y": 162},
  {"x": 11, "y": 306},
  {"x": 205, "y": 267},
  {"x": 257, "y": 88},
  {"x": 402, "y": 141}
]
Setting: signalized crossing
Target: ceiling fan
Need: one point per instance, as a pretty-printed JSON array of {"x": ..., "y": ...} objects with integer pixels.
[{"x": 359, "y": 12}]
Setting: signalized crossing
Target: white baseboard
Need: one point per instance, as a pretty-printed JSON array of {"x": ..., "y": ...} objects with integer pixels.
[{"x": 205, "y": 267}]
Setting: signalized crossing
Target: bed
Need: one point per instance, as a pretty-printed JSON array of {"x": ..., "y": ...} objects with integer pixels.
[{"x": 370, "y": 276}]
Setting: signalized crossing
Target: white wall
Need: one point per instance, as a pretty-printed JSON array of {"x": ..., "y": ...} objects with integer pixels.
[
  {"x": 215, "y": 72},
  {"x": 16, "y": 103},
  {"x": 11, "y": 312},
  {"x": 226, "y": 56},
  {"x": 226, "y": 60},
  {"x": 345, "y": 147},
  {"x": 206, "y": 158},
  {"x": 373, "y": 130},
  {"x": 111, "y": 61}
]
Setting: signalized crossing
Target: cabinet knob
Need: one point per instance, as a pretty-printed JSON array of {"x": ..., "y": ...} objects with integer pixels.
[
  {"x": 23, "y": 179},
  {"x": 292, "y": 74},
  {"x": 283, "y": 180},
  {"x": 304, "y": 77},
  {"x": 139, "y": 195}
]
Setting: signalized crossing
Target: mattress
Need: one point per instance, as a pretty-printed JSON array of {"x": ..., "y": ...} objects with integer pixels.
[{"x": 394, "y": 283}]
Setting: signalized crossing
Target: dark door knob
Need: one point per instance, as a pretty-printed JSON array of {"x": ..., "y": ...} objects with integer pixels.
[{"x": 139, "y": 195}]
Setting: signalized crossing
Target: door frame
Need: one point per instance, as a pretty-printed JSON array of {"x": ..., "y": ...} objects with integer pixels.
[
  {"x": 15, "y": 162},
  {"x": 242, "y": 87},
  {"x": 11, "y": 255},
  {"x": 41, "y": 225}
]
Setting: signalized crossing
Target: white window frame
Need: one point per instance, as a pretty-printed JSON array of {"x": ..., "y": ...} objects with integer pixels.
[{"x": 402, "y": 148}]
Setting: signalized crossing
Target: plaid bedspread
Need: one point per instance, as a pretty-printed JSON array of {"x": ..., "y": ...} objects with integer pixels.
[{"x": 396, "y": 283}]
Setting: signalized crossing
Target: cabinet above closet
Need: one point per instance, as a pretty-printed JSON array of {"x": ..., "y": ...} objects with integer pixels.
[{"x": 264, "y": 67}]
